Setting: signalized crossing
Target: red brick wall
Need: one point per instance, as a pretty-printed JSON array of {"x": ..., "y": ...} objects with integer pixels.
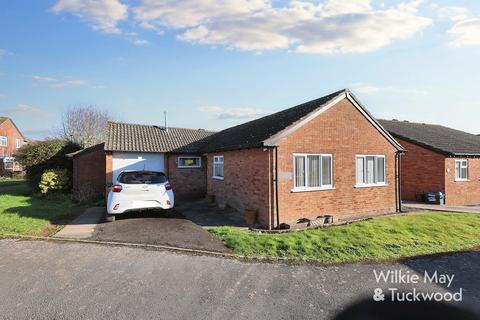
[
  {"x": 9, "y": 130},
  {"x": 344, "y": 132},
  {"x": 462, "y": 192},
  {"x": 247, "y": 183},
  {"x": 422, "y": 171},
  {"x": 89, "y": 170},
  {"x": 188, "y": 183}
]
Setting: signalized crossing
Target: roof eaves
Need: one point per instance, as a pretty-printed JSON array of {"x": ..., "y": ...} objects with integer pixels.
[{"x": 424, "y": 145}]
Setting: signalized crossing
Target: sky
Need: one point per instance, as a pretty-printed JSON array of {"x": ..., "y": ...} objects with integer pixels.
[{"x": 213, "y": 64}]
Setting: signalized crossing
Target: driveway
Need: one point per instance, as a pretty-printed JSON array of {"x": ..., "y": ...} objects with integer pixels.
[
  {"x": 52, "y": 280},
  {"x": 158, "y": 228}
]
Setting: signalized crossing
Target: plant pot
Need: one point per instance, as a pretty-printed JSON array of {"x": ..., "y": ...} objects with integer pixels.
[
  {"x": 210, "y": 198},
  {"x": 250, "y": 216}
]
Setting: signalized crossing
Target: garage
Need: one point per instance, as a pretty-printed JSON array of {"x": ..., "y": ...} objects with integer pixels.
[{"x": 122, "y": 161}]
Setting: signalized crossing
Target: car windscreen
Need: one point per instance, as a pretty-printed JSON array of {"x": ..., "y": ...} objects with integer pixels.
[{"x": 141, "y": 177}]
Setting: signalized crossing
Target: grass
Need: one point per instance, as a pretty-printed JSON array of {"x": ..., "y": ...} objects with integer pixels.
[
  {"x": 22, "y": 213},
  {"x": 378, "y": 239},
  {"x": 10, "y": 181}
]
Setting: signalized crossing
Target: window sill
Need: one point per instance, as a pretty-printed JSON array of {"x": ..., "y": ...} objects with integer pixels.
[
  {"x": 312, "y": 189},
  {"x": 183, "y": 167},
  {"x": 218, "y": 178},
  {"x": 371, "y": 185},
  {"x": 462, "y": 180}
]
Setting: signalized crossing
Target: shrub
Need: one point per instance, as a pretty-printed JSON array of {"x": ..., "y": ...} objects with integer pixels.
[
  {"x": 56, "y": 180},
  {"x": 86, "y": 194},
  {"x": 38, "y": 157}
]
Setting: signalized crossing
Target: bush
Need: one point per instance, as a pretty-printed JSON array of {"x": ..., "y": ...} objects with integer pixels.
[
  {"x": 38, "y": 157},
  {"x": 56, "y": 180},
  {"x": 86, "y": 194}
]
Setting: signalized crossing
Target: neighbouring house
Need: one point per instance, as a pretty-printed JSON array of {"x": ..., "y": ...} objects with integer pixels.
[
  {"x": 439, "y": 159},
  {"x": 11, "y": 139},
  {"x": 328, "y": 156}
]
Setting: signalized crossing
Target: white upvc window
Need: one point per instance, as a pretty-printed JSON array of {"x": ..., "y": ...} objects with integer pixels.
[
  {"x": 3, "y": 141},
  {"x": 18, "y": 143},
  {"x": 312, "y": 172},
  {"x": 189, "y": 162},
  {"x": 8, "y": 163},
  {"x": 461, "y": 170},
  {"x": 218, "y": 167},
  {"x": 370, "y": 170}
]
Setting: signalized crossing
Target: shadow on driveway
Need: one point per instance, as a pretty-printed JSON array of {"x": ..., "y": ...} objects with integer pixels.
[{"x": 158, "y": 228}]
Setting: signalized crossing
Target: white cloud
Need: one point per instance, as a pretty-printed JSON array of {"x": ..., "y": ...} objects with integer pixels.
[
  {"x": 59, "y": 84},
  {"x": 465, "y": 33},
  {"x": 103, "y": 15},
  {"x": 453, "y": 13},
  {"x": 26, "y": 110},
  {"x": 140, "y": 42},
  {"x": 334, "y": 26},
  {"x": 370, "y": 89},
  {"x": 4, "y": 53},
  {"x": 465, "y": 30},
  {"x": 232, "y": 113}
]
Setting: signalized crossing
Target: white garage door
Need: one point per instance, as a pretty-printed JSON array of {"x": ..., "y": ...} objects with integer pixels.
[{"x": 136, "y": 161}]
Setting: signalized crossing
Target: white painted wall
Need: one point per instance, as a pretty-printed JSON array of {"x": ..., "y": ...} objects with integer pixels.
[{"x": 122, "y": 161}]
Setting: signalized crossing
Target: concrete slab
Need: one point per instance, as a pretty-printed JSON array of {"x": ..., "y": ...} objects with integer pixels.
[
  {"x": 437, "y": 207},
  {"x": 83, "y": 226}
]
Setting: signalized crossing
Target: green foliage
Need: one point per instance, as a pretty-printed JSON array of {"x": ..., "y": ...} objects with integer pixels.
[
  {"x": 56, "y": 180},
  {"x": 38, "y": 157},
  {"x": 378, "y": 239}
]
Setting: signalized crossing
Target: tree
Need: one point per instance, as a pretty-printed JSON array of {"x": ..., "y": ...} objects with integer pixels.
[
  {"x": 84, "y": 125},
  {"x": 40, "y": 156}
]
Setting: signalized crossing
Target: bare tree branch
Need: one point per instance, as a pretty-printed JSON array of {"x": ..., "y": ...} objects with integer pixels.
[{"x": 84, "y": 125}]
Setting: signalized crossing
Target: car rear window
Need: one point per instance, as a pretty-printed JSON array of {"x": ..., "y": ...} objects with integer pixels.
[{"x": 141, "y": 177}]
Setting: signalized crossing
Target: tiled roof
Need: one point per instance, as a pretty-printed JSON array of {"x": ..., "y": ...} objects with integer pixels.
[
  {"x": 252, "y": 134},
  {"x": 434, "y": 137},
  {"x": 148, "y": 138}
]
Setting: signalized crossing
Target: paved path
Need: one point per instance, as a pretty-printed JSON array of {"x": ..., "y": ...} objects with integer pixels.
[
  {"x": 84, "y": 225},
  {"x": 437, "y": 207},
  {"x": 53, "y": 280}
]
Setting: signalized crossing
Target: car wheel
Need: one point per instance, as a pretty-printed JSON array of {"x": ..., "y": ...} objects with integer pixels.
[{"x": 110, "y": 217}]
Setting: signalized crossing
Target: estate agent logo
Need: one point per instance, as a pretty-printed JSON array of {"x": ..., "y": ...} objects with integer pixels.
[{"x": 396, "y": 277}]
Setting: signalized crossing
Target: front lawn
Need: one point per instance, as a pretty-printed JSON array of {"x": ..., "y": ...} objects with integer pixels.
[
  {"x": 24, "y": 214},
  {"x": 378, "y": 239},
  {"x": 10, "y": 182}
]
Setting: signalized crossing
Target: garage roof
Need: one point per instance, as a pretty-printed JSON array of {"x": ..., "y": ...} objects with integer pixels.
[
  {"x": 147, "y": 138},
  {"x": 434, "y": 137}
]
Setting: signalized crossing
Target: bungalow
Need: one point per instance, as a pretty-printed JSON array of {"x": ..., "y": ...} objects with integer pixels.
[
  {"x": 326, "y": 156},
  {"x": 11, "y": 139},
  {"x": 439, "y": 159}
]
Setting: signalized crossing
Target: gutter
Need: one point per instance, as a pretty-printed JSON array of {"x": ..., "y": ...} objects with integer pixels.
[
  {"x": 398, "y": 182},
  {"x": 277, "y": 210}
]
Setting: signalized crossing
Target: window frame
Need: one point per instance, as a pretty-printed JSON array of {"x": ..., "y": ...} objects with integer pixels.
[
  {"x": 217, "y": 162},
  {"x": 3, "y": 138},
  {"x": 18, "y": 143},
  {"x": 462, "y": 167},
  {"x": 375, "y": 171},
  {"x": 320, "y": 172},
  {"x": 189, "y": 167}
]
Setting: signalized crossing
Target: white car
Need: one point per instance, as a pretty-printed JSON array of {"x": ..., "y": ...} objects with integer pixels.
[{"x": 139, "y": 190}]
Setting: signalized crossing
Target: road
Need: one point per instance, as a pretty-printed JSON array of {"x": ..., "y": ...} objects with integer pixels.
[{"x": 57, "y": 280}]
